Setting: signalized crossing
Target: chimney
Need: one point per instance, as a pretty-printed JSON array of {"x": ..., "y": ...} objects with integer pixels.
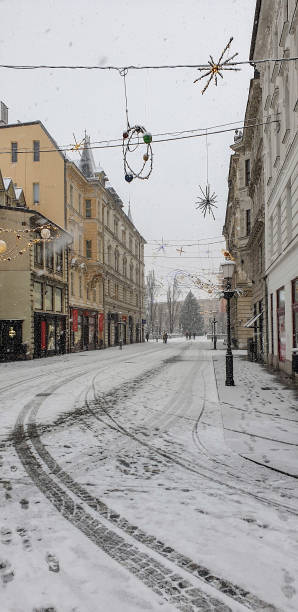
[{"x": 3, "y": 114}]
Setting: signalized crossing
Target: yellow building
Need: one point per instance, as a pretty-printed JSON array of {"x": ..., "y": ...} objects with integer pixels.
[{"x": 106, "y": 276}]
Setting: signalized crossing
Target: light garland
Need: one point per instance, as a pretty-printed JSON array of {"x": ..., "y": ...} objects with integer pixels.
[{"x": 22, "y": 244}]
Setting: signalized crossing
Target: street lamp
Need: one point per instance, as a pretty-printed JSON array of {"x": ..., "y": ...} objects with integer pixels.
[{"x": 228, "y": 268}]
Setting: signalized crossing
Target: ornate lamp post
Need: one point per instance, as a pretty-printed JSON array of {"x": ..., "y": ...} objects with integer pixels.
[{"x": 228, "y": 269}]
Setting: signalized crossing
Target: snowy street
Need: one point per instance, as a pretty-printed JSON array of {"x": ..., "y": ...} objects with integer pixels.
[{"x": 135, "y": 480}]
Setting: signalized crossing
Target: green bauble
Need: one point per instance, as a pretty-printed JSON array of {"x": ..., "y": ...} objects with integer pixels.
[{"x": 147, "y": 137}]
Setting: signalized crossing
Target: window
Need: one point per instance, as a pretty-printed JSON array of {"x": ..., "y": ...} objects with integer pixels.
[
  {"x": 271, "y": 324},
  {"x": 37, "y": 296},
  {"x": 88, "y": 249},
  {"x": 116, "y": 260},
  {"x": 36, "y": 193},
  {"x": 124, "y": 266},
  {"x": 71, "y": 194},
  {"x": 109, "y": 255},
  {"x": 247, "y": 172},
  {"x": 36, "y": 150},
  {"x": 295, "y": 312},
  {"x": 247, "y": 220},
  {"x": 271, "y": 237},
  {"x": 281, "y": 326},
  {"x": 58, "y": 299},
  {"x": 14, "y": 152},
  {"x": 49, "y": 255},
  {"x": 88, "y": 209},
  {"x": 289, "y": 211},
  {"x": 88, "y": 292},
  {"x": 131, "y": 272},
  {"x": 72, "y": 283},
  {"x": 38, "y": 254},
  {"x": 278, "y": 227},
  {"x": 49, "y": 297},
  {"x": 59, "y": 260}
]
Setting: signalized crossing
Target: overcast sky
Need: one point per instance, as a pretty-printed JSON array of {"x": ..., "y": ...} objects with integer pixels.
[{"x": 118, "y": 32}]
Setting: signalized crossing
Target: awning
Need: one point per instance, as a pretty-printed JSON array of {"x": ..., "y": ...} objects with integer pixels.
[{"x": 252, "y": 321}]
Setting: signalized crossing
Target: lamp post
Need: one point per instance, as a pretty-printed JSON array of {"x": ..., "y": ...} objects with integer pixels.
[
  {"x": 228, "y": 270},
  {"x": 214, "y": 332}
]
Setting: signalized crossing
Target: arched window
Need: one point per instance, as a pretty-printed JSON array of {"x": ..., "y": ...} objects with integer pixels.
[{"x": 131, "y": 271}]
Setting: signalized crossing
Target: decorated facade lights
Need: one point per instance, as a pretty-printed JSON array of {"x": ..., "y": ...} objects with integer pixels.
[
  {"x": 18, "y": 240},
  {"x": 216, "y": 68},
  {"x": 132, "y": 138}
]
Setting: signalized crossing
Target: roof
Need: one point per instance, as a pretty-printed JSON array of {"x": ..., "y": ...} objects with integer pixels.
[{"x": 87, "y": 163}]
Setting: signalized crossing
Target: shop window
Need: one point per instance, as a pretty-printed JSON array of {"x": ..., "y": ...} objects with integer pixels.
[
  {"x": 271, "y": 324},
  {"x": 281, "y": 327},
  {"x": 88, "y": 249},
  {"x": 295, "y": 312},
  {"x": 48, "y": 297},
  {"x": 58, "y": 299},
  {"x": 51, "y": 336},
  {"x": 14, "y": 152},
  {"x": 36, "y": 150},
  {"x": 88, "y": 210},
  {"x": 38, "y": 254},
  {"x": 37, "y": 296},
  {"x": 49, "y": 255},
  {"x": 247, "y": 172}
]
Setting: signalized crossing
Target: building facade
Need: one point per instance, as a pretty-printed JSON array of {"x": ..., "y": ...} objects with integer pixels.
[
  {"x": 34, "y": 271},
  {"x": 275, "y": 35},
  {"x": 106, "y": 262}
]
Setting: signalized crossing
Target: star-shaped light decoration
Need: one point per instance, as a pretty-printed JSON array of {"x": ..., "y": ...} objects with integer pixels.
[
  {"x": 180, "y": 251},
  {"x": 206, "y": 202},
  {"x": 78, "y": 145},
  {"x": 162, "y": 247},
  {"x": 216, "y": 68}
]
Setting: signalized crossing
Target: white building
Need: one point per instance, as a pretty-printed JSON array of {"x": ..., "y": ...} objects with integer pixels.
[{"x": 275, "y": 35}]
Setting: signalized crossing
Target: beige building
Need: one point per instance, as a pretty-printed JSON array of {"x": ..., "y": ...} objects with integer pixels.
[
  {"x": 106, "y": 264},
  {"x": 33, "y": 277}
]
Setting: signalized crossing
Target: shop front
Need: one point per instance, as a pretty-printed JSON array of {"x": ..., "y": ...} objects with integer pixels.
[
  {"x": 49, "y": 334},
  {"x": 84, "y": 330},
  {"x": 11, "y": 343}
]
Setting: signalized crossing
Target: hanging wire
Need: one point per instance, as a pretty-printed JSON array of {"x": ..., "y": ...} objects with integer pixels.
[{"x": 123, "y": 72}]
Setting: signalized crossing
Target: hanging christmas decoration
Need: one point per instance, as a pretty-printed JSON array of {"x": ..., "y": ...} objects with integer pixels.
[
  {"x": 162, "y": 247},
  {"x": 180, "y": 251},
  {"x": 78, "y": 145},
  {"x": 207, "y": 202},
  {"x": 216, "y": 68},
  {"x": 132, "y": 138},
  {"x": 227, "y": 255}
]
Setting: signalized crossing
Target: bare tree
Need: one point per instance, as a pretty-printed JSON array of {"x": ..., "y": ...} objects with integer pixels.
[
  {"x": 173, "y": 294},
  {"x": 151, "y": 294}
]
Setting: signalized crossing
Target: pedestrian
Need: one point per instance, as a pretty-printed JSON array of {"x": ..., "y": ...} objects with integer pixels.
[
  {"x": 62, "y": 342},
  {"x": 194, "y": 336},
  {"x": 147, "y": 336},
  {"x": 186, "y": 335}
]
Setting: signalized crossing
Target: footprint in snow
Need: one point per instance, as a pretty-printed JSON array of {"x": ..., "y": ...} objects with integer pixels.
[
  {"x": 53, "y": 563},
  {"x": 6, "y": 571}
]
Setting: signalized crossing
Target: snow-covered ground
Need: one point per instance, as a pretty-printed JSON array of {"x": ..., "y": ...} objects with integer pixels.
[{"x": 135, "y": 480}]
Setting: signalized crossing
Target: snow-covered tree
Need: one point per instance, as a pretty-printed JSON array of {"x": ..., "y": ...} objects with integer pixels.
[{"x": 190, "y": 318}]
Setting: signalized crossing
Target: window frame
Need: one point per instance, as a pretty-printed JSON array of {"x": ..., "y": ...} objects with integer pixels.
[
  {"x": 14, "y": 152},
  {"x": 88, "y": 209},
  {"x": 88, "y": 247},
  {"x": 36, "y": 150}
]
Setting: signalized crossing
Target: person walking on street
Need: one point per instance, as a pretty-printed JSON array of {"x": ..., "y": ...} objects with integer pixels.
[{"x": 147, "y": 336}]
